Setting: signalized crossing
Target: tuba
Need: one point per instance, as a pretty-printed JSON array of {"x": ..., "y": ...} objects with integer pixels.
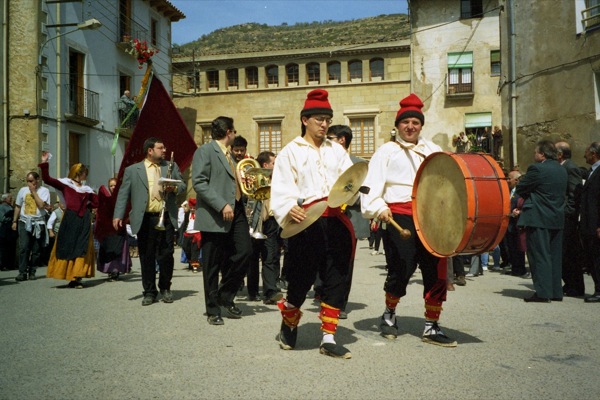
[
  {"x": 161, "y": 219},
  {"x": 255, "y": 183}
]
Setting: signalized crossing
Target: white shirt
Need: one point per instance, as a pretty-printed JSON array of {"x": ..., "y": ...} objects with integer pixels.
[
  {"x": 303, "y": 171},
  {"x": 27, "y": 204},
  {"x": 392, "y": 172}
]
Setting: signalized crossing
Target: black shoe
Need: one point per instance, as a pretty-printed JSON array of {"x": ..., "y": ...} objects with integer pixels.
[
  {"x": 287, "y": 337},
  {"x": 343, "y": 314},
  {"x": 167, "y": 296},
  {"x": 435, "y": 335},
  {"x": 592, "y": 299},
  {"x": 272, "y": 298},
  {"x": 215, "y": 320},
  {"x": 148, "y": 299},
  {"x": 21, "y": 278},
  {"x": 335, "y": 350},
  {"x": 536, "y": 299},
  {"x": 387, "y": 331},
  {"x": 32, "y": 276},
  {"x": 233, "y": 312},
  {"x": 573, "y": 293}
]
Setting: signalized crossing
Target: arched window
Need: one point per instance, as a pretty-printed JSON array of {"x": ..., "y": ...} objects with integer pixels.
[
  {"x": 251, "y": 77},
  {"x": 334, "y": 72},
  {"x": 291, "y": 72},
  {"x": 376, "y": 69},
  {"x": 313, "y": 72},
  {"x": 272, "y": 72},
  {"x": 355, "y": 70},
  {"x": 232, "y": 77}
]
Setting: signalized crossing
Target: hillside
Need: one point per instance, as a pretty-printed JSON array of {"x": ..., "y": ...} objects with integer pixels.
[{"x": 253, "y": 37}]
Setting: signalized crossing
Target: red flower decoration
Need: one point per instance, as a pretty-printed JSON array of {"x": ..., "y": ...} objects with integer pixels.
[{"x": 142, "y": 52}]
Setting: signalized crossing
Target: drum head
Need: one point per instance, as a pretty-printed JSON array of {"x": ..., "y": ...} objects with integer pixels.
[{"x": 440, "y": 204}]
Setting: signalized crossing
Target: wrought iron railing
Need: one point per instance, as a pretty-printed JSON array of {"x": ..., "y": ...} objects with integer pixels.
[{"x": 83, "y": 102}]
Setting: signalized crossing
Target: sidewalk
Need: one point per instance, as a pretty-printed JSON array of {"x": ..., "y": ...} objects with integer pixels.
[{"x": 100, "y": 343}]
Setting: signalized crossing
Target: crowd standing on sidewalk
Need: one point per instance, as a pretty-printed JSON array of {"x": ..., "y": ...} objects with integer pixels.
[{"x": 230, "y": 236}]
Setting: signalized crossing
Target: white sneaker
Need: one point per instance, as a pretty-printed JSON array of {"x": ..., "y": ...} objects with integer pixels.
[
  {"x": 374, "y": 252},
  {"x": 382, "y": 253},
  {"x": 470, "y": 275}
]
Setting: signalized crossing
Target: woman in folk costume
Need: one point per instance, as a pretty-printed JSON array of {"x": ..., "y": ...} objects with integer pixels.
[
  {"x": 113, "y": 257},
  {"x": 191, "y": 237},
  {"x": 72, "y": 256}
]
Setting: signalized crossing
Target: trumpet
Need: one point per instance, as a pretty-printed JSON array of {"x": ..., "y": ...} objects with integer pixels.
[{"x": 161, "y": 219}]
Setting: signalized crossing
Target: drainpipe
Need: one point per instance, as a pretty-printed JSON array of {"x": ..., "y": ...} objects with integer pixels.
[
  {"x": 5, "y": 141},
  {"x": 513, "y": 77},
  {"x": 58, "y": 99}
]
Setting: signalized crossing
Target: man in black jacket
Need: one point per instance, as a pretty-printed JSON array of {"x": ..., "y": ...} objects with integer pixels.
[
  {"x": 589, "y": 224},
  {"x": 572, "y": 274}
]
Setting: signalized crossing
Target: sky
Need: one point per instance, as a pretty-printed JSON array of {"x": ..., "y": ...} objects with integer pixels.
[{"x": 205, "y": 16}]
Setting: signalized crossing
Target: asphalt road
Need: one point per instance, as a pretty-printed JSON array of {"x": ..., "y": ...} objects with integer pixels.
[{"x": 100, "y": 343}]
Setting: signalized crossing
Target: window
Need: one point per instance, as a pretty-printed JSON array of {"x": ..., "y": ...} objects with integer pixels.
[
  {"x": 334, "y": 72},
  {"x": 376, "y": 69},
  {"x": 313, "y": 72},
  {"x": 471, "y": 8},
  {"x": 251, "y": 77},
  {"x": 213, "y": 79},
  {"x": 478, "y": 127},
  {"x": 74, "y": 146},
  {"x": 363, "y": 136},
  {"x": 76, "y": 79},
  {"x": 272, "y": 72},
  {"x": 460, "y": 72},
  {"x": 193, "y": 78},
  {"x": 154, "y": 32},
  {"x": 495, "y": 63},
  {"x": 269, "y": 136},
  {"x": 232, "y": 78},
  {"x": 206, "y": 133},
  {"x": 291, "y": 74},
  {"x": 125, "y": 20},
  {"x": 355, "y": 70}
]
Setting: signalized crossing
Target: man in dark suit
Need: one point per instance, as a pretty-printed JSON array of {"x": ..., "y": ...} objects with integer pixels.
[
  {"x": 543, "y": 187},
  {"x": 572, "y": 273},
  {"x": 589, "y": 223},
  {"x": 141, "y": 186},
  {"x": 221, "y": 219}
]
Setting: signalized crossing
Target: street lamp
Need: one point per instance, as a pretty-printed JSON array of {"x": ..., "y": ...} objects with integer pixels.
[{"x": 90, "y": 24}]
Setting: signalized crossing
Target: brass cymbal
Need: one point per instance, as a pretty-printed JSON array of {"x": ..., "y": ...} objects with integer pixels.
[
  {"x": 259, "y": 171},
  {"x": 312, "y": 214},
  {"x": 347, "y": 184}
]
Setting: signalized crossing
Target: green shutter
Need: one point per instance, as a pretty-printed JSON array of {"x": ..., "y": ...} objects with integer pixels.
[
  {"x": 460, "y": 60},
  {"x": 478, "y": 120}
]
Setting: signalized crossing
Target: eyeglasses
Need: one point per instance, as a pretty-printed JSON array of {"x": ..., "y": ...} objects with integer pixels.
[{"x": 320, "y": 119}]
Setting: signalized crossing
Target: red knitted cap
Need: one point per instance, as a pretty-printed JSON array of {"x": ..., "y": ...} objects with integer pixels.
[
  {"x": 316, "y": 103},
  {"x": 410, "y": 106}
]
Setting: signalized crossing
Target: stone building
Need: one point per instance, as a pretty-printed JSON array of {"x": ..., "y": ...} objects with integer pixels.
[
  {"x": 455, "y": 48},
  {"x": 550, "y": 83},
  {"x": 65, "y": 66},
  {"x": 265, "y": 91}
]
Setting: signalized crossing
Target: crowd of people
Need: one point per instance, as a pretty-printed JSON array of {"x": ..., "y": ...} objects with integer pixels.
[{"x": 234, "y": 236}]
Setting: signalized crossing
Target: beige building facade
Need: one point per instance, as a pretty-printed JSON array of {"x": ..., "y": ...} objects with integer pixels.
[
  {"x": 455, "y": 49},
  {"x": 265, "y": 92},
  {"x": 550, "y": 85}
]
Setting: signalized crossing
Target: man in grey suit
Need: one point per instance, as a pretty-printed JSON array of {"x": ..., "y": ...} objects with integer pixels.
[
  {"x": 140, "y": 185},
  {"x": 221, "y": 219},
  {"x": 543, "y": 187}
]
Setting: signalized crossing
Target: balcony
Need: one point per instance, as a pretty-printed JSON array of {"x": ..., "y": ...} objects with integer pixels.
[
  {"x": 130, "y": 30},
  {"x": 591, "y": 17},
  {"x": 83, "y": 107},
  {"x": 126, "y": 125},
  {"x": 459, "y": 90}
]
